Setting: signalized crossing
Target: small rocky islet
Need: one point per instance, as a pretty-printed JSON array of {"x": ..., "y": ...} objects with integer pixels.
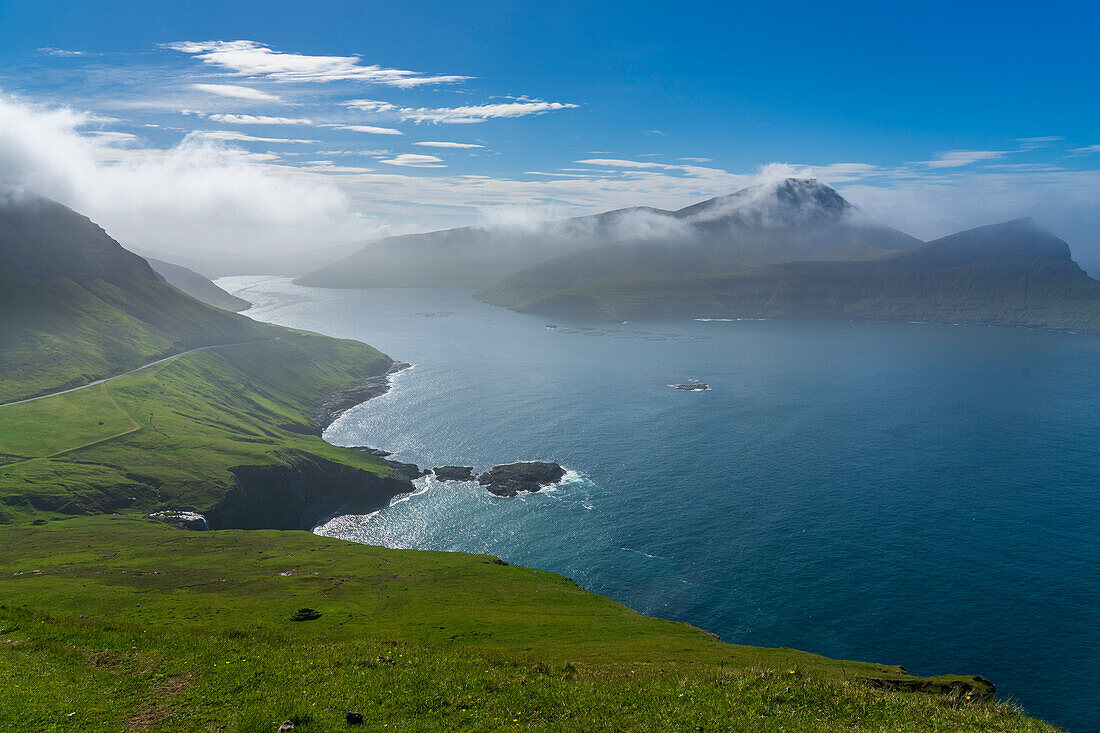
[{"x": 508, "y": 479}]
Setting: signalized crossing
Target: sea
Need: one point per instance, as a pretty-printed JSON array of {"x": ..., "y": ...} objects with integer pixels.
[{"x": 902, "y": 493}]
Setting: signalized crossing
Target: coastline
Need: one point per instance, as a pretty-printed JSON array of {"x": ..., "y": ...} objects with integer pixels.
[{"x": 338, "y": 402}]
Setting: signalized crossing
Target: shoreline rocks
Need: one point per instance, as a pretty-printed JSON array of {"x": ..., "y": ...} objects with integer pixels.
[
  {"x": 511, "y": 478},
  {"x": 454, "y": 473},
  {"x": 345, "y": 398}
]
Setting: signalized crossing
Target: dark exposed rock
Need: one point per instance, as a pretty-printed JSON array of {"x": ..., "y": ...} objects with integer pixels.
[
  {"x": 353, "y": 718},
  {"x": 343, "y": 399},
  {"x": 406, "y": 471},
  {"x": 374, "y": 451},
  {"x": 301, "y": 491},
  {"x": 454, "y": 473},
  {"x": 512, "y": 478},
  {"x": 306, "y": 614},
  {"x": 973, "y": 687}
]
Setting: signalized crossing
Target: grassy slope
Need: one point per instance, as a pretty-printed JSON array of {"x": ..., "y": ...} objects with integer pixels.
[
  {"x": 130, "y": 624},
  {"x": 197, "y": 416},
  {"x": 197, "y": 286},
  {"x": 59, "y": 332}
]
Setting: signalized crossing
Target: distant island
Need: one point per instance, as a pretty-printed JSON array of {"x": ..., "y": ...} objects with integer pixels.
[{"x": 789, "y": 249}]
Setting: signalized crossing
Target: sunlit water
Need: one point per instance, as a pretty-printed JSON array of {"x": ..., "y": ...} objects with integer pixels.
[{"x": 911, "y": 494}]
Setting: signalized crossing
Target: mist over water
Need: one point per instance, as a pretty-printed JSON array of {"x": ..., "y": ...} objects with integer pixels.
[{"x": 901, "y": 493}]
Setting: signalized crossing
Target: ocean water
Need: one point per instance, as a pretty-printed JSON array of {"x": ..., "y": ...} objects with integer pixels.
[{"x": 912, "y": 494}]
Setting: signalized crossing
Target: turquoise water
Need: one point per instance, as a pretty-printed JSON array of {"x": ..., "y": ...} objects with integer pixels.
[{"x": 908, "y": 494}]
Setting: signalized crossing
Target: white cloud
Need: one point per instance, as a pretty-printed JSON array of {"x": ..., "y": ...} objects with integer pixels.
[
  {"x": 432, "y": 144},
  {"x": 376, "y": 152},
  {"x": 480, "y": 113},
  {"x": 110, "y": 137},
  {"x": 368, "y": 129},
  {"x": 197, "y": 194},
  {"x": 1087, "y": 150},
  {"x": 231, "y": 119},
  {"x": 60, "y": 51},
  {"x": 236, "y": 92},
  {"x": 415, "y": 160},
  {"x": 618, "y": 163},
  {"x": 233, "y": 136},
  {"x": 1034, "y": 143},
  {"x": 959, "y": 158},
  {"x": 369, "y": 105},
  {"x": 250, "y": 58}
]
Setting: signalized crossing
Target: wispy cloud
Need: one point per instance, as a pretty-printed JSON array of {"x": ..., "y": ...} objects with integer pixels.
[
  {"x": 231, "y": 119},
  {"x": 480, "y": 113},
  {"x": 959, "y": 158},
  {"x": 415, "y": 160},
  {"x": 60, "y": 51},
  {"x": 111, "y": 137},
  {"x": 233, "y": 136},
  {"x": 254, "y": 59},
  {"x": 369, "y": 105},
  {"x": 619, "y": 163},
  {"x": 367, "y": 129},
  {"x": 236, "y": 92},
  {"x": 433, "y": 144},
  {"x": 1087, "y": 150},
  {"x": 1034, "y": 143}
]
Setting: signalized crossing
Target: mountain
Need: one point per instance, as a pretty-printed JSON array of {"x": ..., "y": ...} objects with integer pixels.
[
  {"x": 197, "y": 286},
  {"x": 770, "y": 223},
  {"x": 479, "y": 255},
  {"x": 1014, "y": 273},
  {"x": 216, "y": 263},
  {"x": 77, "y": 306}
]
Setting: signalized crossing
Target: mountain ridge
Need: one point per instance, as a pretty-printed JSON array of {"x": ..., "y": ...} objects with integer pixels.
[
  {"x": 771, "y": 222},
  {"x": 1012, "y": 274}
]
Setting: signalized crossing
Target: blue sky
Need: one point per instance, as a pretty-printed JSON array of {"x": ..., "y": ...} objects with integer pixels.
[{"x": 308, "y": 122}]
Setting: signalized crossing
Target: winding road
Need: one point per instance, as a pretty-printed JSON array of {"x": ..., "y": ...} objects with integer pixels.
[{"x": 143, "y": 366}]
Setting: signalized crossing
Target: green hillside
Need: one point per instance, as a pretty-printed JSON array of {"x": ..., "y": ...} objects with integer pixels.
[
  {"x": 224, "y": 432},
  {"x": 77, "y": 306},
  {"x": 197, "y": 286}
]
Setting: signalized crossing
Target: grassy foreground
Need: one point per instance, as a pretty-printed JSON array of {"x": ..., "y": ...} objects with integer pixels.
[{"x": 116, "y": 623}]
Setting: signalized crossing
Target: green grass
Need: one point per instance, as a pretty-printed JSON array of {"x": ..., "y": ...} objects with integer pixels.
[
  {"x": 49, "y": 426},
  {"x": 57, "y": 332},
  {"x": 198, "y": 416},
  {"x": 130, "y": 624}
]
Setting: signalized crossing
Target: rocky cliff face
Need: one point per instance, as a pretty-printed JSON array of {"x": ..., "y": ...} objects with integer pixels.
[{"x": 300, "y": 493}]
